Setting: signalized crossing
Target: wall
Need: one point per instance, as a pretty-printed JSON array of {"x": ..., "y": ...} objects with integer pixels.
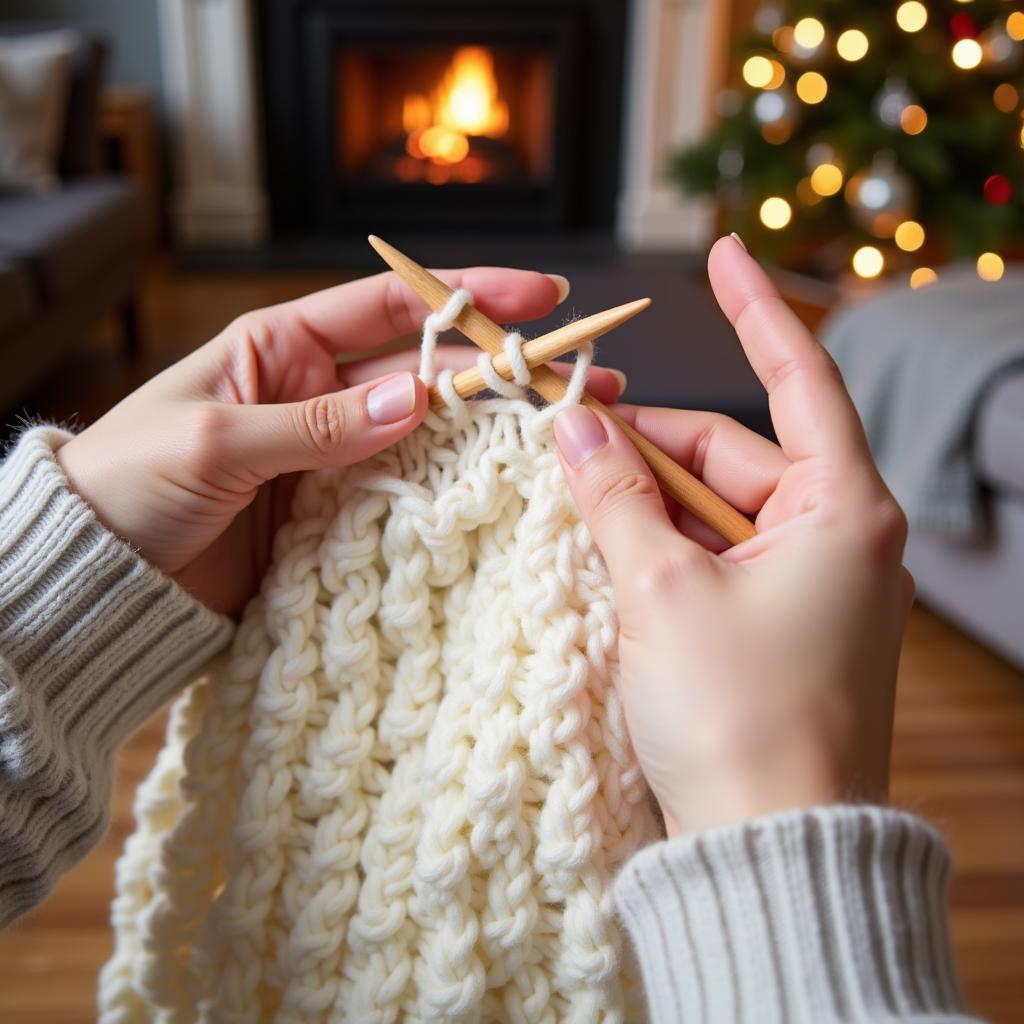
[{"x": 130, "y": 26}]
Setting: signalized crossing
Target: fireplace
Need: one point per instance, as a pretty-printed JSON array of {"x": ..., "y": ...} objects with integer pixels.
[{"x": 442, "y": 114}]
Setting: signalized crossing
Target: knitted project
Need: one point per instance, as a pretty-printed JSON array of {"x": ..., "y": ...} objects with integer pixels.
[{"x": 406, "y": 794}]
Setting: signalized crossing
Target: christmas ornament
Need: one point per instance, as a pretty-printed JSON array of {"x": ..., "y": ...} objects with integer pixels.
[
  {"x": 881, "y": 196},
  {"x": 998, "y": 190},
  {"x": 999, "y": 50},
  {"x": 890, "y": 103},
  {"x": 778, "y": 113}
]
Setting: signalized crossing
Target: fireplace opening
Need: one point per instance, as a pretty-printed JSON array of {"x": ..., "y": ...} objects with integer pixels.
[
  {"x": 466, "y": 116},
  {"x": 447, "y": 116}
]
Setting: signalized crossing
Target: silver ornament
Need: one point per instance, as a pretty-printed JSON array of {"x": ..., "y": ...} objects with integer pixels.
[
  {"x": 881, "y": 196},
  {"x": 1000, "y": 51},
  {"x": 892, "y": 101}
]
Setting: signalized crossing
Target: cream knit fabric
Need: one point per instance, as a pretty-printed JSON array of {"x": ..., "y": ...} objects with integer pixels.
[{"x": 405, "y": 796}]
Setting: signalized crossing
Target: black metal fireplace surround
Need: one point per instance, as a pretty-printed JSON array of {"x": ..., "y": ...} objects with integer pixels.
[{"x": 309, "y": 46}]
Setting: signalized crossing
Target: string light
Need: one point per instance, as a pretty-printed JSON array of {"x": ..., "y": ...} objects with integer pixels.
[
  {"x": 909, "y": 236},
  {"x": 967, "y": 54},
  {"x": 852, "y": 44},
  {"x": 776, "y": 213},
  {"x": 1015, "y": 26},
  {"x": 922, "y": 277},
  {"x": 868, "y": 261},
  {"x": 912, "y": 16},
  {"x": 805, "y": 192},
  {"x": 811, "y": 87},
  {"x": 1005, "y": 97},
  {"x": 990, "y": 266},
  {"x": 757, "y": 71},
  {"x": 826, "y": 179},
  {"x": 913, "y": 119},
  {"x": 809, "y": 33}
]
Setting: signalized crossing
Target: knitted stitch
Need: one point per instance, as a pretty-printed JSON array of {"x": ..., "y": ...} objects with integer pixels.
[{"x": 406, "y": 795}]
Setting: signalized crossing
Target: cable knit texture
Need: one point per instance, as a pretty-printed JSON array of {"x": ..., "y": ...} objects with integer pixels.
[
  {"x": 835, "y": 914},
  {"x": 407, "y": 796},
  {"x": 92, "y": 642}
]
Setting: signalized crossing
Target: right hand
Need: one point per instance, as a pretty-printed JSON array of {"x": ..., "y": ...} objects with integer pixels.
[{"x": 759, "y": 678}]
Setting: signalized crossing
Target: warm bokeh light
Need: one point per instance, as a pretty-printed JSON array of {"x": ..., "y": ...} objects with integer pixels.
[
  {"x": 1015, "y": 26},
  {"x": 778, "y": 75},
  {"x": 782, "y": 39},
  {"x": 757, "y": 71},
  {"x": 909, "y": 236},
  {"x": 776, "y": 213},
  {"x": 852, "y": 44},
  {"x": 913, "y": 119},
  {"x": 922, "y": 277},
  {"x": 990, "y": 266},
  {"x": 912, "y": 16},
  {"x": 809, "y": 33},
  {"x": 868, "y": 261},
  {"x": 826, "y": 179},
  {"x": 811, "y": 87},
  {"x": 805, "y": 192},
  {"x": 1005, "y": 97},
  {"x": 966, "y": 54}
]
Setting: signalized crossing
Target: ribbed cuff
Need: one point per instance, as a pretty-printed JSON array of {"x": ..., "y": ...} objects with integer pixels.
[
  {"x": 92, "y": 642},
  {"x": 832, "y": 914}
]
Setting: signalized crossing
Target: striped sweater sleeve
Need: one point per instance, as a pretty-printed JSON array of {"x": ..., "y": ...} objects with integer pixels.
[
  {"x": 92, "y": 642},
  {"x": 806, "y": 917}
]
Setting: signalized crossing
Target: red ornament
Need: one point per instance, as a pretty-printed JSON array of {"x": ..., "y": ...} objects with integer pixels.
[
  {"x": 963, "y": 26},
  {"x": 998, "y": 190}
]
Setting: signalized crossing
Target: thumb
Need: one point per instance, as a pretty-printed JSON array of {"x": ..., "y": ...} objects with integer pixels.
[
  {"x": 336, "y": 429},
  {"x": 616, "y": 495}
]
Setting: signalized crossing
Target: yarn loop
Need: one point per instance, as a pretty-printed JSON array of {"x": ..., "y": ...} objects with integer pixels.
[{"x": 516, "y": 389}]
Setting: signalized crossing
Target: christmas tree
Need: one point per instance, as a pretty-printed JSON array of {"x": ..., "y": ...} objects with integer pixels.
[{"x": 878, "y": 137}]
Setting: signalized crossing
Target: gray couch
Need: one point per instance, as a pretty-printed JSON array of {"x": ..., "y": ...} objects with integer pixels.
[
  {"x": 938, "y": 378},
  {"x": 69, "y": 255},
  {"x": 980, "y": 584}
]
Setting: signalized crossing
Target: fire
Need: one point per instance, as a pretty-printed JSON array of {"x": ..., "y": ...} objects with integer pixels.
[{"x": 465, "y": 103}]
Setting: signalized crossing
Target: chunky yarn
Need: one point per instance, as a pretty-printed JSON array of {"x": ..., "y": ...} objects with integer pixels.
[{"x": 405, "y": 794}]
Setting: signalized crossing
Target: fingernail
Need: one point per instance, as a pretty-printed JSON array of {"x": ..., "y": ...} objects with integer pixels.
[
  {"x": 621, "y": 378},
  {"x": 739, "y": 241},
  {"x": 563, "y": 286},
  {"x": 392, "y": 400},
  {"x": 579, "y": 434}
]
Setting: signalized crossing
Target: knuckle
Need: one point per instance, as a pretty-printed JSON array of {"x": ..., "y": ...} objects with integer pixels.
[
  {"x": 611, "y": 491},
  {"x": 205, "y": 435},
  {"x": 887, "y": 529},
  {"x": 321, "y": 423},
  {"x": 657, "y": 581}
]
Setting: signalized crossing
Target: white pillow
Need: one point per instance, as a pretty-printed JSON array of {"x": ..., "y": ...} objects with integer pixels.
[{"x": 35, "y": 75}]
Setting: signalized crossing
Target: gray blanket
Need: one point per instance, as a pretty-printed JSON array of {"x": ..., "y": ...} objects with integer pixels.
[{"x": 917, "y": 364}]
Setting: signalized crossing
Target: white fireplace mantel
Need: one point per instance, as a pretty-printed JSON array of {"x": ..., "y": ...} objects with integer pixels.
[
  {"x": 207, "y": 47},
  {"x": 673, "y": 65}
]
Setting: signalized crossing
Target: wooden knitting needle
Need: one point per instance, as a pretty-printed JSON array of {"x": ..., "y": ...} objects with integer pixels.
[
  {"x": 542, "y": 349},
  {"x": 693, "y": 495}
]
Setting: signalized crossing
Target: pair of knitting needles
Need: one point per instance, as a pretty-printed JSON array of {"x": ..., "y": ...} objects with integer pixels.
[{"x": 675, "y": 481}]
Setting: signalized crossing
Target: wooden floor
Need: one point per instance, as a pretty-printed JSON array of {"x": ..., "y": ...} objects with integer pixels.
[{"x": 958, "y": 757}]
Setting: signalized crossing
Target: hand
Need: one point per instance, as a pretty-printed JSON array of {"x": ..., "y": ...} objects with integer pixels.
[
  {"x": 193, "y": 468},
  {"x": 762, "y": 677}
]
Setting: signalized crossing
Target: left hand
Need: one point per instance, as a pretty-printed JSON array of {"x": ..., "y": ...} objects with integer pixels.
[{"x": 196, "y": 468}]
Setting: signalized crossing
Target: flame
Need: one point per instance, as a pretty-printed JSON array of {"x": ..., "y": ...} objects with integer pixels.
[{"x": 465, "y": 103}]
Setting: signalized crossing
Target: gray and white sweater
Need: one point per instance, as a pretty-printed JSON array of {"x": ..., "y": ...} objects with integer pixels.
[{"x": 834, "y": 914}]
